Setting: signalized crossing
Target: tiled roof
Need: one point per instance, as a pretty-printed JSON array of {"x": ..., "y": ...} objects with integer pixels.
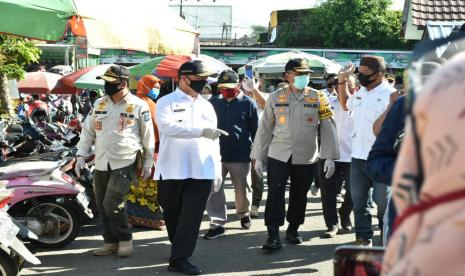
[{"x": 437, "y": 10}]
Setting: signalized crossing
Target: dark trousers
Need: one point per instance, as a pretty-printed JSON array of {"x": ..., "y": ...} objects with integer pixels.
[
  {"x": 330, "y": 189},
  {"x": 301, "y": 179},
  {"x": 316, "y": 178},
  {"x": 183, "y": 203},
  {"x": 111, "y": 188}
]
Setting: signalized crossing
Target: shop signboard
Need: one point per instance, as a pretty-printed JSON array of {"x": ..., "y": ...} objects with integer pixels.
[
  {"x": 314, "y": 52},
  {"x": 343, "y": 58},
  {"x": 239, "y": 57}
]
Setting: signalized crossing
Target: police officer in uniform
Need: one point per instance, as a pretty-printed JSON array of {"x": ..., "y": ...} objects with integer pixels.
[
  {"x": 121, "y": 128},
  {"x": 287, "y": 135}
]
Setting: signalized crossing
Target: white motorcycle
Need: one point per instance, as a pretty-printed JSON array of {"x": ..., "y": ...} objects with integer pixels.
[{"x": 13, "y": 253}]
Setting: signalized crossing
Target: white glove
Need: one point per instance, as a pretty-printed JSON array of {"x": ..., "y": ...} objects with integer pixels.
[
  {"x": 329, "y": 168},
  {"x": 213, "y": 133},
  {"x": 146, "y": 172},
  {"x": 259, "y": 167},
  {"x": 217, "y": 182},
  {"x": 80, "y": 164},
  {"x": 249, "y": 85}
]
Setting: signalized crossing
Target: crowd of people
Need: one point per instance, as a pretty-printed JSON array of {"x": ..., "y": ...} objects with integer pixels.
[
  {"x": 189, "y": 140},
  {"x": 162, "y": 158}
]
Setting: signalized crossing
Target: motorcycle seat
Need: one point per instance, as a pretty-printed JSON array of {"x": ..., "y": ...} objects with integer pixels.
[{"x": 24, "y": 169}]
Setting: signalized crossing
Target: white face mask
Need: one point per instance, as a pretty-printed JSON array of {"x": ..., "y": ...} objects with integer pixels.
[{"x": 206, "y": 96}]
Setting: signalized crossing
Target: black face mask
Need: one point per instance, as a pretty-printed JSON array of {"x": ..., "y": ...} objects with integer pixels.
[
  {"x": 111, "y": 88},
  {"x": 197, "y": 85},
  {"x": 365, "y": 79}
]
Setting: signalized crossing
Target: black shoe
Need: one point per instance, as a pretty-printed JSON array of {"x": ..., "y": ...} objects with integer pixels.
[
  {"x": 345, "y": 223},
  {"x": 345, "y": 229},
  {"x": 272, "y": 244},
  {"x": 246, "y": 223},
  {"x": 293, "y": 237},
  {"x": 214, "y": 233},
  {"x": 185, "y": 268},
  {"x": 330, "y": 233}
]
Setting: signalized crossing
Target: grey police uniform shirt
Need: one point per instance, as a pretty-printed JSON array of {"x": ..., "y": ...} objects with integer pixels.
[
  {"x": 119, "y": 131},
  {"x": 289, "y": 127}
]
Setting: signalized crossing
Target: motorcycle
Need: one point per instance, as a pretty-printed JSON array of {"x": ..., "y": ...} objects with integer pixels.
[
  {"x": 47, "y": 201},
  {"x": 86, "y": 178},
  {"x": 358, "y": 261},
  {"x": 13, "y": 253}
]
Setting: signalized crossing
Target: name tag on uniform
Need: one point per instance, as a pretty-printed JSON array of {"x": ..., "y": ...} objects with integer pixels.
[
  {"x": 179, "y": 110},
  {"x": 311, "y": 100},
  {"x": 130, "y": 116},
  {"x": 313, "y": 105},
  {"x": 281, "y": 104}
]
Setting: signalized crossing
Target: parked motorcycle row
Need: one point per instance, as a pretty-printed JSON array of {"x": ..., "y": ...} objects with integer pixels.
[{"x": 42, "y": 201}]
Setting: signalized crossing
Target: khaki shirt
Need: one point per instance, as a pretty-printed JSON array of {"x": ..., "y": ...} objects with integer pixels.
[
  {"x": 289, "y": 127},
  {"x": 119, "y": 131}
]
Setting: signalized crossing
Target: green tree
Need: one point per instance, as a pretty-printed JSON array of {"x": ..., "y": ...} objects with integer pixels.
[
  {"x": 15, "y": 53},
  {"x": 257, "y": 30},
  {"x": 351, "y": 24},
  {"x": 299, "y": 29}
]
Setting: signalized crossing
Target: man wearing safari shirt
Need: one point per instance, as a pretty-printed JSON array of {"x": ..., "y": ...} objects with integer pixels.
[
  {"x": 120, "y": 126},
  {"x": 367, "y": 105},
  {"x": 287, "y": 136}
]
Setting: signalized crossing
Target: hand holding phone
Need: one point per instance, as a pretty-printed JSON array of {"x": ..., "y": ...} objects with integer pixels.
[{"x": 249, "y": 72}]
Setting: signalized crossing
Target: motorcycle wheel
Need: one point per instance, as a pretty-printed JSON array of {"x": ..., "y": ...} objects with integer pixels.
[
  {"x": 7, "y": 265},
  {"x": 61, "y": 222}
]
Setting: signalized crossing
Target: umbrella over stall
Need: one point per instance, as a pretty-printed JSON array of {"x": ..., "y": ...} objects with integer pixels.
[
  {"x": 87, "y": 78},
  {"x": 106, "y": 25},
  {"x": 43, "y": 83},
  {"x": 145, "y": 68},
  {"x": 168, "y": 66},
  {"x": 274, "y": 64}
]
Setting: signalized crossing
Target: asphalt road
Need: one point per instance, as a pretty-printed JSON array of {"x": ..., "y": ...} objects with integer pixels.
[{"x": 237, "y": 253}]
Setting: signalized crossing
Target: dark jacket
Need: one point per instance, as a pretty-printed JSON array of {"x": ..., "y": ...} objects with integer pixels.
[
  {"x": 240, "y": 119},
  {"x": 382, "y": 157}
]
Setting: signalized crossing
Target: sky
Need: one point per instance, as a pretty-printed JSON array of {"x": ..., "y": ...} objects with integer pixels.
[{"x": 246, "y": 13}]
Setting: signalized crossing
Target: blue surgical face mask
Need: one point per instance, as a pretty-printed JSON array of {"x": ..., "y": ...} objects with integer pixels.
[
  {"x": 300, "y": 82},
  {"x": 153, "y": 94}
]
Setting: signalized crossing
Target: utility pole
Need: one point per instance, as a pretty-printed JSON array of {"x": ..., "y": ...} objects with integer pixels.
[
  {"x": 180, "y": 10},
  {"x": 222, "y": 33},
  {"x": 180, "y": 7}
]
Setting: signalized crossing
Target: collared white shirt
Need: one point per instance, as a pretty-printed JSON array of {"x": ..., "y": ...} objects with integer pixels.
[
  {"x": 367, "y": 107},
  {"x": 183, "y": 152},
  {"x": 345, "y": 128}
]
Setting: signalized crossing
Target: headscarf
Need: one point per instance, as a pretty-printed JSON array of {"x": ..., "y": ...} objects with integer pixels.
[
  {"x": 145, "y": 84},
  {"x": 429, "y": 239}
]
